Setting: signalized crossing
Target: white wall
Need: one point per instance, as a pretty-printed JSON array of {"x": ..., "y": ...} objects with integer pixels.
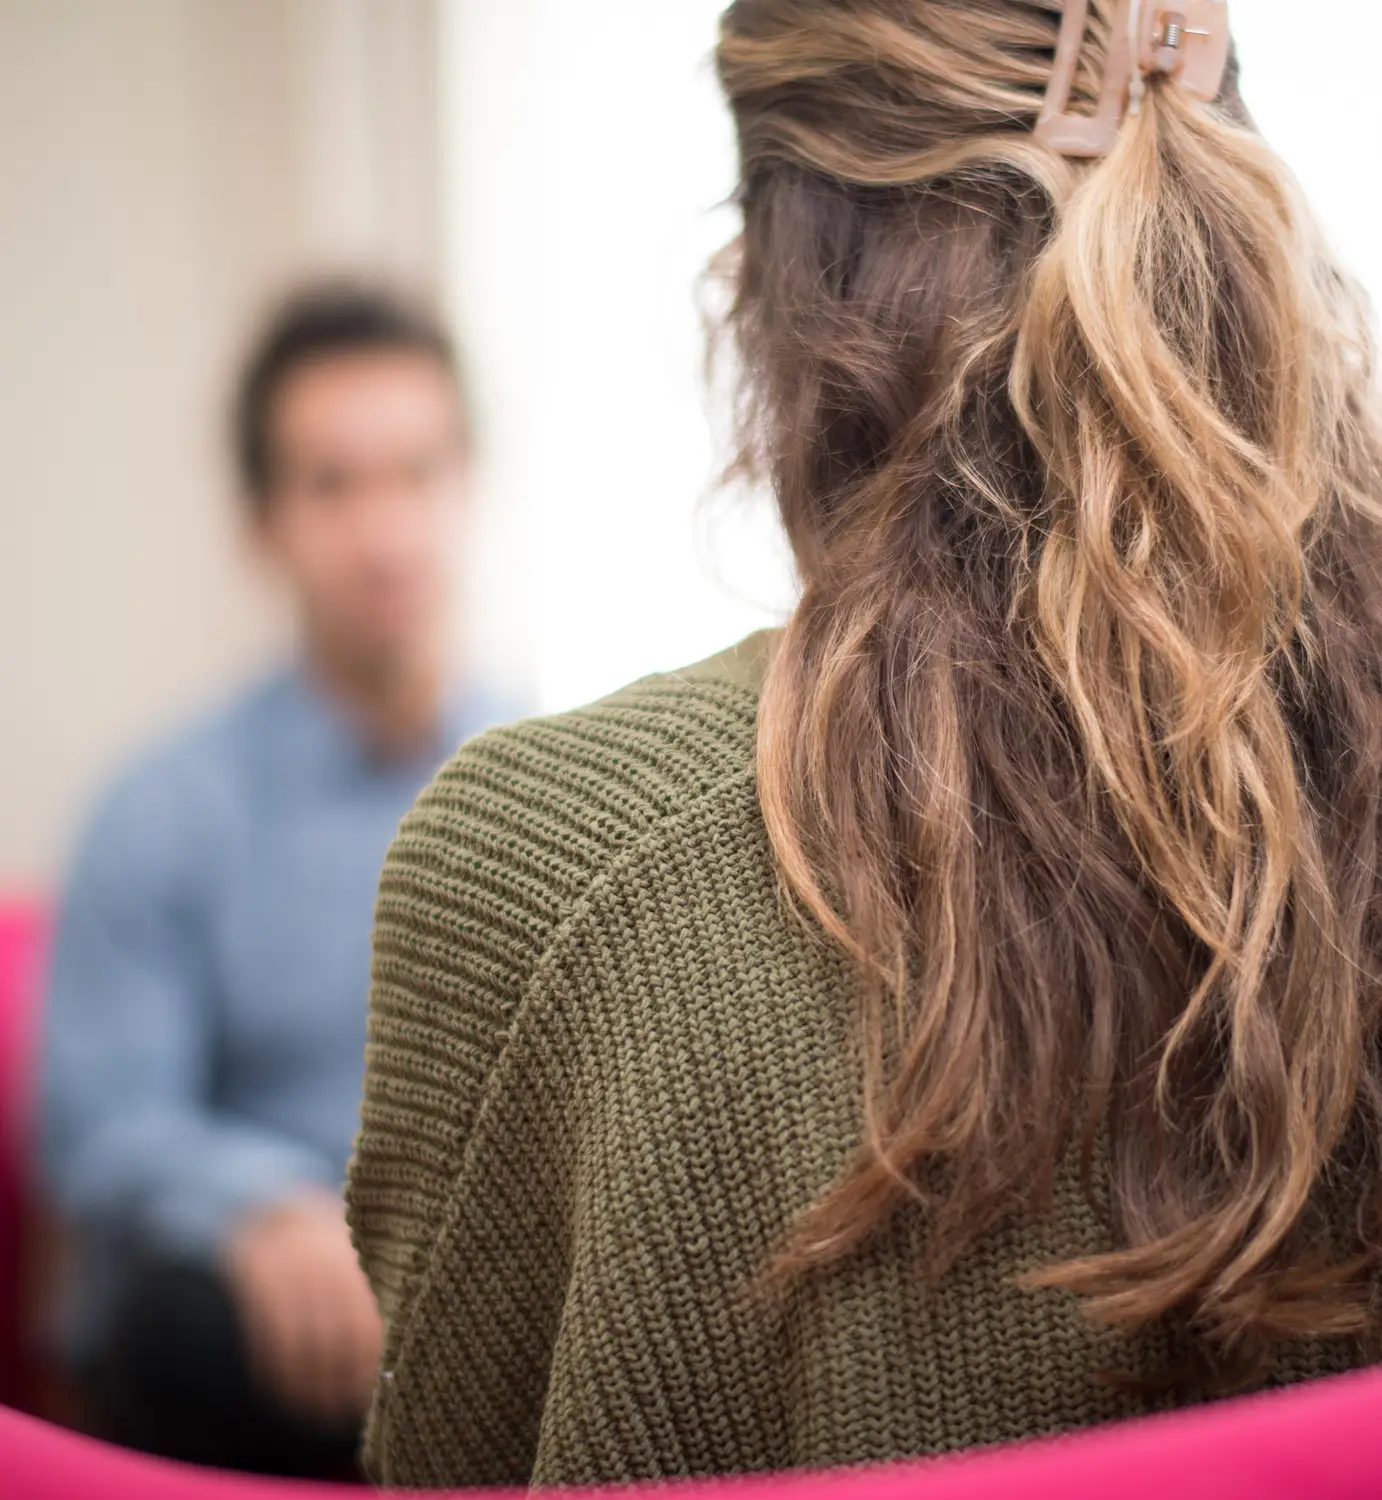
[
  {"x": 1311, "y": 78},
  {"x": 164, "y": 165},
  {"x": 587, "y": 149},
  {"x": 589, "y": 152}
]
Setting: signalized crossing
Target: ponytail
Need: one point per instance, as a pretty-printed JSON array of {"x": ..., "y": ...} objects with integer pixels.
[{"x": 1173, "y": 375}]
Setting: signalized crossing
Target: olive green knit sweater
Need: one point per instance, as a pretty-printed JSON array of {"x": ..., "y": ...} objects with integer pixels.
[{"x": 607, "y": 1071}]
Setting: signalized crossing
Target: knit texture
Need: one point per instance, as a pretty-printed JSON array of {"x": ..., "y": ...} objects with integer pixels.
[{"x": 608, "y": 1069}]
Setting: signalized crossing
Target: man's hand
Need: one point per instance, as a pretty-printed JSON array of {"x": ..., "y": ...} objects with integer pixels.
[{"x": 309, "y": 1318}]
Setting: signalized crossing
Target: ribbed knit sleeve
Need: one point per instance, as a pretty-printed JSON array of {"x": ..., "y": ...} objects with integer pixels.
[
  {"x": 481, "y": 875},
  {"x": 484, "y": 874},
  {"x": 466, "y": 903}
]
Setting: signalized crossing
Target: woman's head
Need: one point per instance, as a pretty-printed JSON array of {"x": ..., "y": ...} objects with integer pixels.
[{"x": 1075, "y": 740}]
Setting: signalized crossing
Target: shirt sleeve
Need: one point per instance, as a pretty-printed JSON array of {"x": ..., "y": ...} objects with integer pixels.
[{"x": 130, "y": 1142}]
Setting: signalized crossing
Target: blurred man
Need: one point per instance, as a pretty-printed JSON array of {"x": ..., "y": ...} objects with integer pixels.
[{"x": 206, "y": 1023}]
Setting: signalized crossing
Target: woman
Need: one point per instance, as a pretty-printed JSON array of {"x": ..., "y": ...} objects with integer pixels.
[{"x": 956, "y": 1019}]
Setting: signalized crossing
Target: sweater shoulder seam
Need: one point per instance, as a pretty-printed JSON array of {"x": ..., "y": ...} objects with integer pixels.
[{"x": 572, "y": 914}]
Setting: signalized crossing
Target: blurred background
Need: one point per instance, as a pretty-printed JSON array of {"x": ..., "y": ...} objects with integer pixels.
[{"x": 555, "y": 175}]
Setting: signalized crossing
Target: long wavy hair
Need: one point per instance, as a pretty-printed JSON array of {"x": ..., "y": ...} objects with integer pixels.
[{"x": 1075, "y": 740}]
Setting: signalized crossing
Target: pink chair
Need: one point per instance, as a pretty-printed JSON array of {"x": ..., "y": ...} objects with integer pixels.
[
  {"x": 23, "y": 940},
  {"x": 1320, "y": 1442}
]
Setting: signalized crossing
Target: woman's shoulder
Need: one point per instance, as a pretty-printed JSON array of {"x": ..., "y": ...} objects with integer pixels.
[
  {"x": 720, "y": 692},
  {"x": 524, "y": 819},
  {"x": 499, "y": 857},
  {"x": 587, "y": 782}
]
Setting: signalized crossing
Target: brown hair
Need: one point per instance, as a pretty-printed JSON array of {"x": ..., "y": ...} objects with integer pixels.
[
  {"x": 325, "y": 320},
  {"x": 1075, "y": 740}
]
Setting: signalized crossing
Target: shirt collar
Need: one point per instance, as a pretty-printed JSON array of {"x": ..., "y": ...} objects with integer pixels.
[{"x": 323, "y": 737}]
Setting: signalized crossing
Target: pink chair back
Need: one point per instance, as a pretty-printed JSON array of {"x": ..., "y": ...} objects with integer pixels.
[
  {"x": 1320, "y": 1442},
  {"x": 23, "y": 942}
]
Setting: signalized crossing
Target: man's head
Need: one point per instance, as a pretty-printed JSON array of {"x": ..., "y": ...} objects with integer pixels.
[{"x": 351, "y": 441}]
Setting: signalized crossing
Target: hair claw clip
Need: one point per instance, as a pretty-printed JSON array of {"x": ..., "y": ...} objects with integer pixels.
[{"x": 1188, "y": 41}]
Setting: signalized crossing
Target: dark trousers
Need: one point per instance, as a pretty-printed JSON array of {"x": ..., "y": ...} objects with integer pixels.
[{"x": 173, "y": 1379}]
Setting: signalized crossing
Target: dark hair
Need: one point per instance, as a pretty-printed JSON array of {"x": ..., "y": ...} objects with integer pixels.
[{"x": 314, "y": 323}]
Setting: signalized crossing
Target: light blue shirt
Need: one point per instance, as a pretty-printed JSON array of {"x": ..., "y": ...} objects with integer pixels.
[{"x": 206, "y": 1019}]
